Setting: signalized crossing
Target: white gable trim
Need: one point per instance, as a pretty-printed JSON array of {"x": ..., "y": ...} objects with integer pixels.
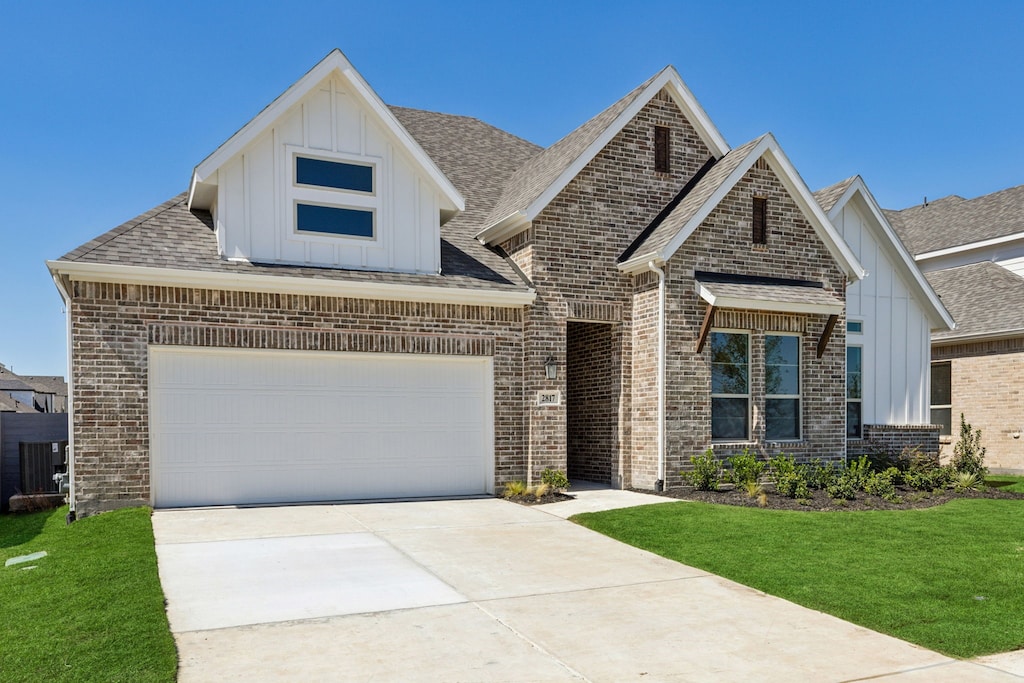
[
  {"x": 767, "y": 148},
  {"x": 904, "y": 262},
  {"x": 970, "y": 246},
  {"x": 246, "y": 282},
  {"x": 668, "y": 79},
  {"x": 333, "y": 62}
]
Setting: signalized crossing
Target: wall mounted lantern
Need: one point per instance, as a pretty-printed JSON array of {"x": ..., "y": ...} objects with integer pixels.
[{"x": 551, "y": 368}]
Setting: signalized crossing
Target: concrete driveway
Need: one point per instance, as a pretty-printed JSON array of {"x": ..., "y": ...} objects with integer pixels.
[{"x": 485, "y": 590}]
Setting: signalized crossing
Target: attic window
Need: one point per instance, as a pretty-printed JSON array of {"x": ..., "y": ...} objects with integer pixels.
[
  {"x": 759, "y": 221},
  {"x": 333, "y": 220},
  {"x": 333, "y": 174},
  {"x": 662, "y": 149}
]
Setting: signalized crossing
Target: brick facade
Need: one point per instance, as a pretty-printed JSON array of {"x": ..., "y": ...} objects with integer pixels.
[
  {"x": 893, "y": 439},
  {"x": 985, "y": 387},
  {"x": 591, "y": 401},
  {"x": 116, "y": 324}
]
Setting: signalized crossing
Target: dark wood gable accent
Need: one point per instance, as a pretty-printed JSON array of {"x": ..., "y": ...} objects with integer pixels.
[
  {"x": 662, "y": 149},
  {"x": 759, "y": 221}
]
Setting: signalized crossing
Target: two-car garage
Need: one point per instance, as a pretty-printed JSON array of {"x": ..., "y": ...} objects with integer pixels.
[{"x": 231, "y": 427}]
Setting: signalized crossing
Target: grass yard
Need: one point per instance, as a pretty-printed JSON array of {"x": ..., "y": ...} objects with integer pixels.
[
  {"x": 92, "y": 609},
  {"x": 1014, "y": 484},
  {"x": 948, "y": 578}
]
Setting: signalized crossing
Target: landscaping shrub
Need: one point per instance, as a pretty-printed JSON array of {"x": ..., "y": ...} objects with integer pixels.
[
  {"x": 842, "y": 489},
  {"x": 883, "y": 484},
  {"x": 858, "y": 471},
  {"x": 789, "y": 478},
  {"x": 513, "y": 489},
  {"x": 707, "y": 471},
  {"x": 745, "y": 468},
  {"x": 820, "y": 475},
  {"x": 968, "y": 453},
  {"x": 555, "y": 479},
  {"x": 966, "y": 481}
]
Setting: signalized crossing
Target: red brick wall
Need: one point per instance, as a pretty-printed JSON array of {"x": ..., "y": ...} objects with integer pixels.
[{"x": 115, "y": 324}]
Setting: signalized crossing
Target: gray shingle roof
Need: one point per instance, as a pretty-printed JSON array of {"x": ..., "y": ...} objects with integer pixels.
[
  {"x": 954, "y": 221},
  {"x": 12, "y": 384},
  {"x": 984, "y": 298},
  {"x": 476, "y": 157},
  {"x": 774, "y": 293},
  {"x": 9, "y": 405},
  {"x": 534, "y": 176},
  {"x": 691, "y": 203},
  {"x": 828, "y": 196}
]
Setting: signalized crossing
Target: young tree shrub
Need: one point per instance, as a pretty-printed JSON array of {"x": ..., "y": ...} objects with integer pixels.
[
  {"x": 745, "y": 468},
  {"x": 707, "y": 471},
  {"x": 968, "y": 453},
  {"x": 555, "y": 479}
]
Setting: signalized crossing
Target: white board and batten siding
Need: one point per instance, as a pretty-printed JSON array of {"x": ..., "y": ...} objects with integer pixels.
[
  {"x": 253, "y": 212},
  {"x": 896, "y": 337},
  {"x": 231, "y": 426}
]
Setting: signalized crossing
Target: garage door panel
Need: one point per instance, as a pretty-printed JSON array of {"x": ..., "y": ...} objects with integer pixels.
[{"x": 231, "y": 426}]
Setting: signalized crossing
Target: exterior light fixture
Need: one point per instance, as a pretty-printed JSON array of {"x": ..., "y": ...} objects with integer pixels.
[{"x": 551, "y": 368}]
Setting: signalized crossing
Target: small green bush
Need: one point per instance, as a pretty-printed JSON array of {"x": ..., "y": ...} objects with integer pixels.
[
  {"x": 555, "y": 479},
  {"x": 858, "y": 471},
  {"x": 513, "y": 489},
  {"x": 935, "y": 478},
  {"x": 966, "y": 481},
  {"x": 820, "y": 475},
  {"x": 707, "y": 471},
  {"x": 883, "y": 484},
  {"x": 842, "y": 489},
  {"x": 968, "y": 453},
  {"x": 789, "y": 478},
  {"x": 745, "y": 468}
]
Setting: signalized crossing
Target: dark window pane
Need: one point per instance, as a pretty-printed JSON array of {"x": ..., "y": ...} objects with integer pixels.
[
  {"x": 729, "y": 418},
  {"x": 333, "y": 174},
  {"x": 662, "y": 152},
  {"x": 759, "y": 221},
  {"x": 333, "y": 220},
  {"x": 782, "y": 418},
  {"x": 854, "y": 382},
  {"x": 782, "y": 364},
  {"x": 855, "y": 326},
  {"x": 942, "y": 390},
  {"x": 853, "y": 387},
  {"x": 944, "y": 418},
  {"x": 729, "y": 363},
  {"x": 853, "y": 420}
]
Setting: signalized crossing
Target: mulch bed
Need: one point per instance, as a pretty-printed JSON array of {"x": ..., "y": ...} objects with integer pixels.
[
  {"x": 553, "y": 497},
  {"x": 821, "y": 501}
]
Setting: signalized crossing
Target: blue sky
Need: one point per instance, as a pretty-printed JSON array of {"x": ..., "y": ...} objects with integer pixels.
[{"x": 108, "y": 105}]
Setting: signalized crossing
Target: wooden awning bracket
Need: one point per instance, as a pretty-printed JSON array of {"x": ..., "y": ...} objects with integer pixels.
[
  {"x": 705, "y": 328},
  {"x": 826, "y": 334}
]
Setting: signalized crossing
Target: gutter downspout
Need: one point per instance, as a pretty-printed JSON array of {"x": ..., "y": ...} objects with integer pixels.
[
  {"x": 70, "y": 406},
  {"x": 659, "y": 484}
]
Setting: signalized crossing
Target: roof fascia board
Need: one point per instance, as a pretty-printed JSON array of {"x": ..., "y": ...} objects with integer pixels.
[
  {"x": 767, "y": 305},
  {"x": 334, "y": 61},
  {"x": 246, "y": 282},
  {"x": 970, "y": 246},
  {"x": 508, "y": 226},
  {"x": 904, "y": 261},
  {"x": 693, "y": 112},
  {"x": 978, "y": 337}
]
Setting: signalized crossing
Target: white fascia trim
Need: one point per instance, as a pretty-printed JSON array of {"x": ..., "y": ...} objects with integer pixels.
[
  {"x": 939, "y": 315},
  {"x": 246, "y": 282},
  {"x": 508, "y": 226},
  {"x": 767, "y": 305},
  {"x": 334, "y": 61},
  {"x": 668, "y": 78},
  {"x": 995, "y": 241},
  {"x": 981, "y": 336}
]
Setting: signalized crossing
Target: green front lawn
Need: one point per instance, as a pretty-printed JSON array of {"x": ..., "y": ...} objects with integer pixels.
[
  {"x": 948, "y": 578},
  {"x": 1015, "y": 484},
  {"x": 92, "y": 609}
]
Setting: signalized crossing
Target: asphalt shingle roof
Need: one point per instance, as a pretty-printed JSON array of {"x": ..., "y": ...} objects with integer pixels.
[
  {"x": 983, "y": 298},
  {"x": 954, "y": 221},
  {"x": 773, "y": 293},
  {"x": 476, "y": 157},
  {"x": 689, "y": 206},
  {"x": 534, "y": 176},
  {"x": 828, "y": 196}
]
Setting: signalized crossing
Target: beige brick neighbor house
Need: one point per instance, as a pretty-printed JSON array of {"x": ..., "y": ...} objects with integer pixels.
[
  {"x": 972, "y": 252},
  {"x": 357, "y": 301}
]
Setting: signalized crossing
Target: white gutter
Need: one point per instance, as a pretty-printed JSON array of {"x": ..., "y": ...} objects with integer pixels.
[
  {"x": 71, "y": 393},
  {"x": 250, "y": 282},
  {"x": 659, "y": 485}
]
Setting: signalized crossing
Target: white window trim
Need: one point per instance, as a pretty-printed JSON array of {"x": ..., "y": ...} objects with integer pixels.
[
  {"x": 331, "y": 196},
  {"x": 800, "y": 387},
  {"x": 854, "y": 320},
  {"x": 860, "y": 400},
  {"x": 949, "y": 405},
  {"x": 750, "y": 402}
]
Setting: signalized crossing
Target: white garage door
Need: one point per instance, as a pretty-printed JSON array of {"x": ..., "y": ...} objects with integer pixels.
[{"x": 230, "y": 426}]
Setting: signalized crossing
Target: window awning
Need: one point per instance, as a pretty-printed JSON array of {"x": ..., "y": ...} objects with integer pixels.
[{"x": 770, "y": 297}]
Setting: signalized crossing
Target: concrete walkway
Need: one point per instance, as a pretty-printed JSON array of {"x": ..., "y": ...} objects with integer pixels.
[{"x": 485, "y": 590}]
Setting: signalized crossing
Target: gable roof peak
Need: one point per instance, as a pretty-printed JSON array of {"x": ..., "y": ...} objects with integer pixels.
[
  {"x": 202, "y": 190},
  {"x": 540, "y": 179}
]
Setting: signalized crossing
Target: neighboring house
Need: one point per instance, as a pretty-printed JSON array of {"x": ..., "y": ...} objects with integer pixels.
[
  {"x": 29, "y": 425},
  {"x": 360, "y": 301},
  {"x": 972, "y": 252}
]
